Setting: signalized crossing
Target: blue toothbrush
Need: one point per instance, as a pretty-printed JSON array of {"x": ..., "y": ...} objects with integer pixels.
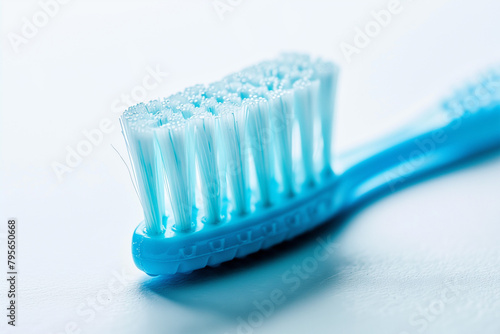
[{"x": 245, "y": 163}]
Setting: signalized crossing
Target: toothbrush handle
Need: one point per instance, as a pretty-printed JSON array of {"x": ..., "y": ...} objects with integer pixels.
[{"x": 437, "y": 142}]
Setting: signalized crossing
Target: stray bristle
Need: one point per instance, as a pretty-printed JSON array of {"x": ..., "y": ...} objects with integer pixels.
[{"x": 236, "y": 133}]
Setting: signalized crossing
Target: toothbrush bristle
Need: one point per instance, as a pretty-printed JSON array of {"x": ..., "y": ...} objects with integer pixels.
[
  {"x": 173, "y": 141},
  {"x": 281, "y": 115},
  {"x": 259, "y": 133},
  {"x": 233, "y": 131},
  {"x": 232, "y": 146},
  {"x": 305, "y": 100},
  {"x": 207, "y": 147}
]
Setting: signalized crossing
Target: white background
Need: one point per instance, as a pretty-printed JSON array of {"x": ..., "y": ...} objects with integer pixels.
[{"x": 395, "y": 257}]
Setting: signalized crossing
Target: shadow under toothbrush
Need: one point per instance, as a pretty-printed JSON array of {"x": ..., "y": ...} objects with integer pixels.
[{"x": 234, "y": 288}]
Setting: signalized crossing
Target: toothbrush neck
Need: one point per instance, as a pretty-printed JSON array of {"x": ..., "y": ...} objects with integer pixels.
[{"x": 420, "y": 148}]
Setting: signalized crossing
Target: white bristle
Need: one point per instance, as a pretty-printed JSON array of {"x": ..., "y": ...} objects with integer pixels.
[
  {"x": 174, "y": 147},
  {"x": 327, "y": 73},
  {"x": 305, "y": 104},
  {"x": 281, "y": 116},
  {"x": 148, "y": 174},
  {"x": 207, "y": 158},
  {"x": 259, "y": 139},
  {"x": 233, "y": 131}
]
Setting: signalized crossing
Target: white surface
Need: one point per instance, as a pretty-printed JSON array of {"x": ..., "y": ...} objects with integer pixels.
[{"x": 401, "y": 253}]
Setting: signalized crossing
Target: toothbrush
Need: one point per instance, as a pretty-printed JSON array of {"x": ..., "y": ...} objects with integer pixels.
[{"x": 245, "y": 163}]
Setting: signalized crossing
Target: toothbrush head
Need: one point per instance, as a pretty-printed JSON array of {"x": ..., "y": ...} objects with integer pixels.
[{"x": 233, "y": 167}]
